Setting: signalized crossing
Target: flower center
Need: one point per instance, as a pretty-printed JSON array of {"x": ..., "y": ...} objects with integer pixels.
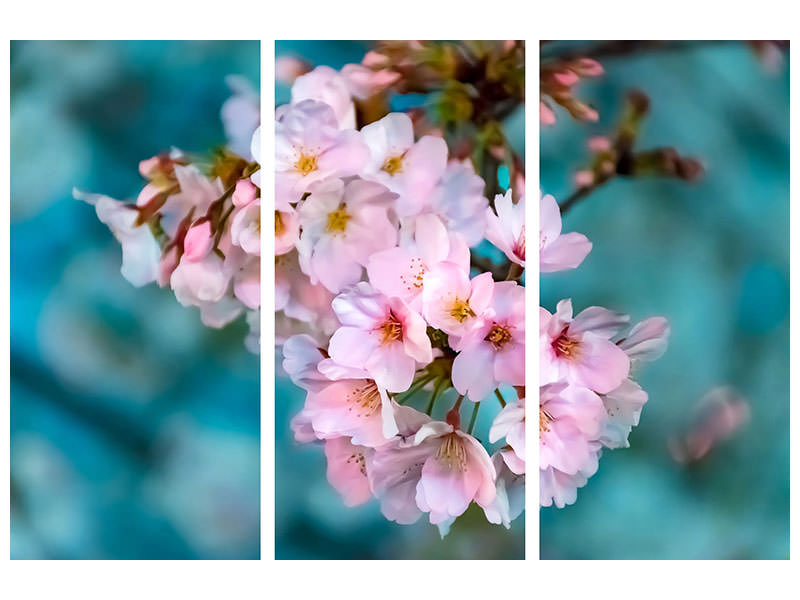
[
  {"x": 337, "y": 220},
  {"x": 544, "y": 421},
  {"x": 461, "y": 310},
  {"x": 391, "y": 330},
  {"x": 452, "y": 453},
  {"x": 280, "y": 226},
  {"x": 365, "y": 399},
  {"x": 393, "y": 164},
  {"x": 565, "y": 346},
  {"x": 498, "y": 336},
  {"x": 305, "y": 164}
]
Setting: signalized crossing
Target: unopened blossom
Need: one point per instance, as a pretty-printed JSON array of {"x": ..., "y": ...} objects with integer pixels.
[
  {"x": 327, "y": 85},
  {"x": 494, "y": 353},
  {"x": 244, "y": 193},
  {"x": 401, "y": 270},
  {"x": 506, "y": 229},
  {"x": 557, "y": 251},
  {"x": 343, "y": 225},
  {"x": 364, "y": 82},
  {"x": 141, "y": 253},
  {"x": 310, "y": 147},
  {"x": 159, "y": 171},
  {"x": 580, "y": 350},
  {"x": 347, "y": 471},
  {"x": 411, "y": 169},
  {"x": 381, "y": 335}
]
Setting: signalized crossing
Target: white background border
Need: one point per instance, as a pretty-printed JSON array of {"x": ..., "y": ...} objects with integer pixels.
[{"x": 404, "y": 19}]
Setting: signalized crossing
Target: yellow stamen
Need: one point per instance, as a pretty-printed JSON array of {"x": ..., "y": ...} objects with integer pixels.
[
  {"x": 461, "y": 310},
  {"x": 337, "y": 220},
  {"x": 366, "y": 399},
  {"x": 566, "y": 347},
  {"x": 544, "y": 421},
  {"x": 393, "y": 164},
  {"x": 452, "y": 453},
  {"x": 305, "y": 164},
  {"x": 498, "y": 336},
  {"x": 391, "y": 330}
]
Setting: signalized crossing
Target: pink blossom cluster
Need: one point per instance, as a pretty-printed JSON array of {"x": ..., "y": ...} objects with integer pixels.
[
  {"x": 588, "y": 399},
  {"x": 376, "y": 302},
  {"x": 196, "y": 228}
]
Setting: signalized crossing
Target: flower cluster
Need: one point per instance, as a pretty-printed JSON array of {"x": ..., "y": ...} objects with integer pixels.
[
  {"x": 587, "y": 397},
  {"x": 557, "y": 82},
  {"x": 377, "y": 302},
  {"x": 196, "y": 224}
]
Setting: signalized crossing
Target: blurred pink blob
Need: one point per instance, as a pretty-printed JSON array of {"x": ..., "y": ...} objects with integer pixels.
[{"x": 719, "y": 415}]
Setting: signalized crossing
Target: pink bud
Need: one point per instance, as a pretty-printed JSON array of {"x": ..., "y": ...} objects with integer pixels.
[
  {"x": 583, "y": 178},
  {"x": 587, "y": 67},
  {"x": 288, "y": 68},
  {"x": 546, "y": 116},
  {"x": 244, "y": 193},
  {"x": 198, "y": 241},
  {"x": 374, "y": 59},
  {"x": 566, "y": 78},
  {"x": 598, "y": 143}
]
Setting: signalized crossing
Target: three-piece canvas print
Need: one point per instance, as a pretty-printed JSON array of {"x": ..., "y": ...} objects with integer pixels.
[{"x": 395, "y": 299}]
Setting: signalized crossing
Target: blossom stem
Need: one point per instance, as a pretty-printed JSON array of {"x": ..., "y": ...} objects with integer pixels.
[
  {"x": 500, "y": 397},
  {"x": 514, "y": 272},
  {"x": 437, "y": 391},
  {"x": 417, "y": 385},
  {"x": 474, "y": 417},
  {"x": 576, "y": 196}
]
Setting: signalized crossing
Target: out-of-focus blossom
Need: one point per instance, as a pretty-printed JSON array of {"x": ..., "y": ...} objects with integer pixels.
[
  {"x": 141, "y": 253},
  {"x": 330, "y": 87},
  {"x": 719, "y": 415}
]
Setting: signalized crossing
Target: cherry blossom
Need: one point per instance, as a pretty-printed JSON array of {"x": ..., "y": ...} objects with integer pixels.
[
  {"x": 506, "y": 229},
  {"x": 382, "y": 335},
  {"x": 558, "y": 251}
]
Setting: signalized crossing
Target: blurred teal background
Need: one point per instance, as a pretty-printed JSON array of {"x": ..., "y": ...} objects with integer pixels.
[
  {"x": 134, "y": 429},
  {"x": 713, "y": 257},
  {"x": 311, "y": 521}
]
